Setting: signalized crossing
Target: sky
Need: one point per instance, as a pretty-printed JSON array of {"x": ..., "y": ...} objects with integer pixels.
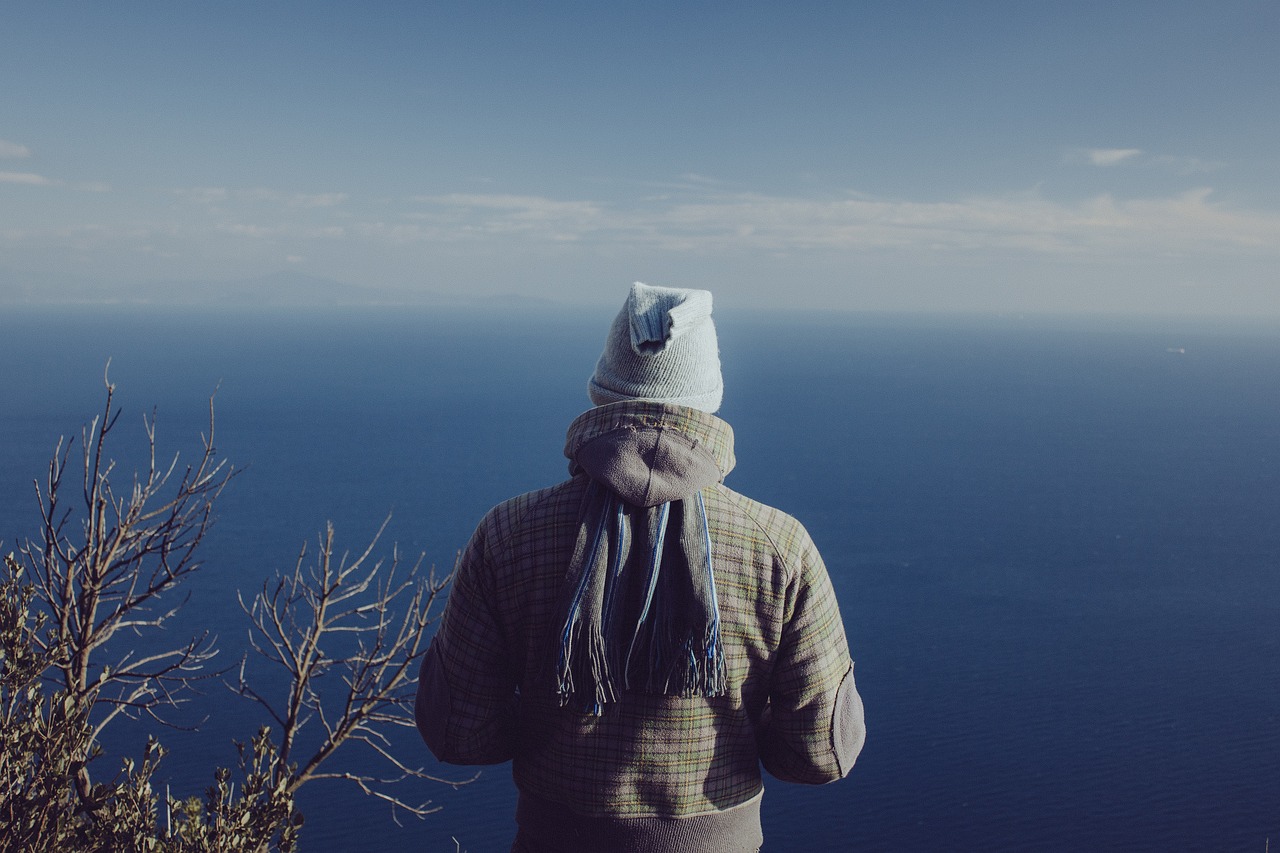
[{"x": 918, "y": 155}]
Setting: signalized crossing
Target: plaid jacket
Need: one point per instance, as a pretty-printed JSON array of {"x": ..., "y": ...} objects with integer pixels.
[{"x": 487, "y": 693}]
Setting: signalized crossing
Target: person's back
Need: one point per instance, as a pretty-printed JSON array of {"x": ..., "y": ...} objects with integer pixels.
[{"x": 640, "y": 639}]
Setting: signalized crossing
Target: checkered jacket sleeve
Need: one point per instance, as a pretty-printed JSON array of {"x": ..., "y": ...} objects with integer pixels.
[
  {"x": 812, "y": 728},
  {"x": 466, "y": 702}
]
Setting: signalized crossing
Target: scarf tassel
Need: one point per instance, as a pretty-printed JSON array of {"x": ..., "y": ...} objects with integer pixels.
[
  {"x": 589, "y": 668},
  {"x": 683, "y": 666}
]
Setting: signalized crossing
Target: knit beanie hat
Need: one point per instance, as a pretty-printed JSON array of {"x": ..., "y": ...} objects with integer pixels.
[{"x": 661, "y": 347}]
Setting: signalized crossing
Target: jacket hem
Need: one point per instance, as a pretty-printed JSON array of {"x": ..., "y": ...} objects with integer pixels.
[{"x": 549, "y": 827}]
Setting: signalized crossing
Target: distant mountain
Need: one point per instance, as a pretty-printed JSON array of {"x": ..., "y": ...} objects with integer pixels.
[
  {"x": 275, "y": 289},
  {"x": 279, "y": 289},
  {"x": 283, "y": 288}
]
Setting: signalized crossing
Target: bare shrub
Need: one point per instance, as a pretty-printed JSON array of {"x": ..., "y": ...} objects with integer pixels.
[{"x": 109, "y": 562}]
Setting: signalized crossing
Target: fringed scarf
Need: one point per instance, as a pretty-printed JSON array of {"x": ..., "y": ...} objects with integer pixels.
[{"x": 642, "y": 614}]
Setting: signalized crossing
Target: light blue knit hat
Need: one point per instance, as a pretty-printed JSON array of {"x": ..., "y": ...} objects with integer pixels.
[{"x": 662, "y": 347}]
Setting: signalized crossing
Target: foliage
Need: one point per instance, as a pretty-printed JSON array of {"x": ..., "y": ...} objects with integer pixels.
[
  {"x": 107, "y": 562},
  {"x": 44, "y": 739}
]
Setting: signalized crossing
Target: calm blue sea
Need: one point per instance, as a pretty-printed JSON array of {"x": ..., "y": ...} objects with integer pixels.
[{"x": 1056, "y": 543}]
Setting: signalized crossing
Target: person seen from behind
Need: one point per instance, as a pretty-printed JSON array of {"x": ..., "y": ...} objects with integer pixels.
[{"x": 640, "y": 640}]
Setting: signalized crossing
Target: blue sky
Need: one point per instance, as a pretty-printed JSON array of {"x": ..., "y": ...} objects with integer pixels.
[{"x": 920, "y": 156}]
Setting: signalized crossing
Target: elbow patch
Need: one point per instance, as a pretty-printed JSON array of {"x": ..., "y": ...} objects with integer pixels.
[{"x": 848, "y": 726}]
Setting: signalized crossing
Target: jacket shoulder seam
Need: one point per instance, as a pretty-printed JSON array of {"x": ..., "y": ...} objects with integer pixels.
[{"x": 750, "y": 508}]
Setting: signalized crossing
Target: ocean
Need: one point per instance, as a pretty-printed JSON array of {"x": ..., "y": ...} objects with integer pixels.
[{"x": 1056, "y": 542}]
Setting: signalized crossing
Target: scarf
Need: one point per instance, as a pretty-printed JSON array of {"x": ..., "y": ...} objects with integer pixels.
[{"x": 641, "y": 611}]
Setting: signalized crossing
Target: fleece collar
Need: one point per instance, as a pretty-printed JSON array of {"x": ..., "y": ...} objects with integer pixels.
[{"x": 650, "y": 453}]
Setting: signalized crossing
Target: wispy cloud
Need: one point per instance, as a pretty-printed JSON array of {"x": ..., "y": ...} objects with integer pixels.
[
  {"x": 1103, "y": 156},
  {"x": 34, "y": 180},
  {"x": 523, "y": 205},
  {"x": 693, "y": 178},
  {"x": 292, "y": 199},
  {"x": 1024, "y": 222},
  {"x": 222, "y": 195},
  {"x": 533, "y": 216},
  {"x": 258, "y": 232},
  {"x": 13, "y": 151},
  {"x": 202, "y": 195},
  {"x": 29, "y": 178},
  {"x": 709, "y": 223},
  {"x": 699, "y": 226},
  {"x": 1187, "y": 165},
  {"x": 281, "y": 231}
]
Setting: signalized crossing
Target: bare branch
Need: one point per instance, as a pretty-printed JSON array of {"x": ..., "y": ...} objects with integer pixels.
[
  {"x": 108, "y": 561},
  {"x": 363, "y": 619}
]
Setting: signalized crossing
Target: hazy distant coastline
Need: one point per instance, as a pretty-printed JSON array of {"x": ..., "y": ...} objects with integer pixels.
[{"x": 280, "y": 289}]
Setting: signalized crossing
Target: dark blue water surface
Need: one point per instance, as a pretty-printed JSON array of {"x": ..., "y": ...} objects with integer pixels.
[{"x": 1056, "y": 543}]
